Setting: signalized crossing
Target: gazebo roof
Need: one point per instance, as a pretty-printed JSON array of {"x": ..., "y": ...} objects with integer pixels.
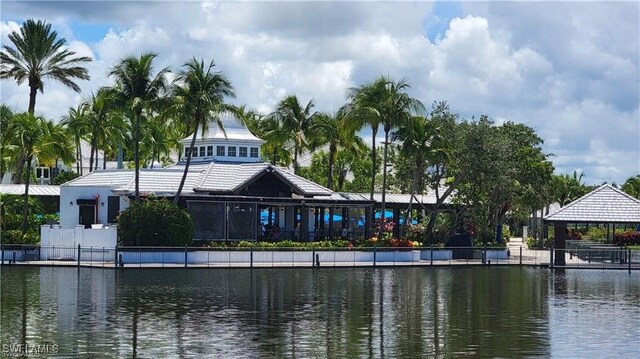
[{"x": 605, "y": 204}]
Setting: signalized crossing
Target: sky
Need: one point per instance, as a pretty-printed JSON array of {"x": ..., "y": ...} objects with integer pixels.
[{"x": 570, "y": 70}]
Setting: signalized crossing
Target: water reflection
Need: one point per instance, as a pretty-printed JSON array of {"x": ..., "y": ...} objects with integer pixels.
[{"x": 404, "y": 312}]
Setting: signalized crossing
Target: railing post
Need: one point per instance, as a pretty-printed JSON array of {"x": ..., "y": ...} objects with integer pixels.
[
  {"x": 484, "y": 255},
  {"x": 431, "y": 262},
  {"x": 115, "y": 258},
  {"x": 78, "y": 255},
  {"x": 313, "y": 258},
  {"x": 251, "y": 258},
  {"x": 551, "y": 257},
  {"x": 185, "y": 255},
  {"x": 374, "y": 255},
  {"x": 520, "y": 261},
  {"x": 629, "y": 259}
]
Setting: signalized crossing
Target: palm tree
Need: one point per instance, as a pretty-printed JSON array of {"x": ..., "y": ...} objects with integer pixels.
[
  {"x": 632, "y": 186},
  {"x": 298, "y": 121},
  {"x": 7, "y": 148},
  {"x": 420, "y": 140},
  {"x": 363, "y": 109},
  {"x": 396, "y": 107},
  {"x": 39, "y": 139},
  {"x": 77, "y": 125},
  {"x": 39, "y": 54},
  {"x": 333, "y": 130},
  {"x": 277, "y": 141},
  {"x": 100, "y": 105},
  {"x": 138, "y": 88},
  {"x": 200, "y": 93}
]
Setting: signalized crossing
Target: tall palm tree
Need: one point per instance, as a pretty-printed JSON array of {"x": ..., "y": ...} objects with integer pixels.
[
  {"x": 334, "y": 131},
  {"x": 42, "y": 140},
  {"x": 298, "y": 121},
  {"x": 138, "y": 87},
  {"x": 39, "y": 54},
  {"x": 77, "y": 125},
  {"x": 419, "y": 140},
  {"x": 7, "y": 148},
  {"x": 277, "y": 141},
  {"x": 100, "y": 105},
  {"x": 363, "y": 108},
  {"x": 396, "y": 107},
  {"x": 200, "y": 93}
]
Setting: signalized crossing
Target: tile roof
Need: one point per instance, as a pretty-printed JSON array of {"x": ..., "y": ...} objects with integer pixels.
[
  {"x": 605, "y": 204},
  {"x": 34, "y": 190}
]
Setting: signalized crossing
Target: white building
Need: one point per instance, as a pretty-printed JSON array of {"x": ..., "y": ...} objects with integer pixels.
[{"x": 227, "y": 189}]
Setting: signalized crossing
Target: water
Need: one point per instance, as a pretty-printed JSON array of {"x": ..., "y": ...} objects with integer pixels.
[{"x": 511, "y": 312}]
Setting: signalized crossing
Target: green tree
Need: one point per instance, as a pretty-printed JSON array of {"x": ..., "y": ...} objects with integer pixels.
[
  {"x": 138, "y": 87},
  {"x": 332, "y": 130},
  {"x": 567, "y": 188},
  {"x": 201, "y": 93},
  {"x": 275, "y": 149},
  {"x": 40, "y": 139},
  {"x": 39, "y": 54},
  {"x": 632, "y": 186},
  {"x": 298, "y": 122},
  {"x": 419, "y": 139},
  {"x": 77, "y": 124}
]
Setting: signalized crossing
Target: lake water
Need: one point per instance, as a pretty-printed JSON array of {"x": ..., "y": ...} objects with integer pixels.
[{"x": 509, "y": 312}]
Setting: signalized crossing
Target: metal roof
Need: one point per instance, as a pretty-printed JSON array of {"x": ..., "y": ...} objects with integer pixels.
[
  {"x": 605, "y": 204},
  {"x": 393, "y": 198},
  {"x": 211, "y": 177},
  {"x": 34, "y": 190}
]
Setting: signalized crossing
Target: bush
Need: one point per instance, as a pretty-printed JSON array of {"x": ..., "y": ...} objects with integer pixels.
[
  {"x": 64, "y": 177},
  {"x": 630, "y": 238},
  {"x": 155, "y": 222},
  {"x": 596, "y": 233}
]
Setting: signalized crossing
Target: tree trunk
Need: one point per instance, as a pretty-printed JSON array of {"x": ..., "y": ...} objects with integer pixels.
[
  {"x": 186, "y": 166},
  {"x": 295, "y": 160},
  {"x": 17, "y": 177},
  {"x": 91, "y": 154},
  {"x": 33, "y": 91},
  {"x": 414, "y": 185},
  {"x": 81, "y": 172},
  {"x": 25, "y": 208},
  {"x": 136, "y": 155},
  {"x": 384, "y": 180},
  {"x": 332, "y": 153},
  {"x": 374, "y": 132}
]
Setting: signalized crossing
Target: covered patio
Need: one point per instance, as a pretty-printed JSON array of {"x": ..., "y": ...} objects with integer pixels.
[{"x": 605, "y": 205}]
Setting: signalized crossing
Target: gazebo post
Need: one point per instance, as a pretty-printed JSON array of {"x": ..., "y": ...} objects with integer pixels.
[{"x": 559, "y": 243}]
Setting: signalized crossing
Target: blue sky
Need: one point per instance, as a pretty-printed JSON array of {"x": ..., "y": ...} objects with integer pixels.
[{"x": 570, "y": 70}]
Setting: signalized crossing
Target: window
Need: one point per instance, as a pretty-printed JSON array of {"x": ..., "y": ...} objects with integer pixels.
[
  {"x": 254, "y": 152},
  {"x": 231, "y": 151},
  {"x": 243, "y": 152},
  {"x": 202, "y": 149},
  {"x": 209, "y": 151},
  {"x": 42, "y": 172},
  {"x": 195, "y": 152},
  {"x": 219, "y": 150}
]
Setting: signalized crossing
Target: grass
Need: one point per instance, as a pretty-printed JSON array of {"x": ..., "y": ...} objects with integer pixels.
[{"x": 634, "y": 248}]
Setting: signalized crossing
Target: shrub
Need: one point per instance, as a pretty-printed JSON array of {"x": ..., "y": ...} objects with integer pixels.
[
  {"x": 64, "y": 177},
  {"x": 574, "y": 234},
  {"x": 155, "y": 222},
  {"x": 596, "y": 233},
  {"x": 630, "y": 238}
]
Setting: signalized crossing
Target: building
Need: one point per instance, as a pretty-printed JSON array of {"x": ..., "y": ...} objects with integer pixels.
[{"x": 231, "y": 194}]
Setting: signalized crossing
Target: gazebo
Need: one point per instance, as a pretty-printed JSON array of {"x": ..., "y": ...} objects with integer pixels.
[{"x": 604, "y": 205}]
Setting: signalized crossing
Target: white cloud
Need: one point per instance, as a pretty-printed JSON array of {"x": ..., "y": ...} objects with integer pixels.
[{"x": 569, "y": 70}]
